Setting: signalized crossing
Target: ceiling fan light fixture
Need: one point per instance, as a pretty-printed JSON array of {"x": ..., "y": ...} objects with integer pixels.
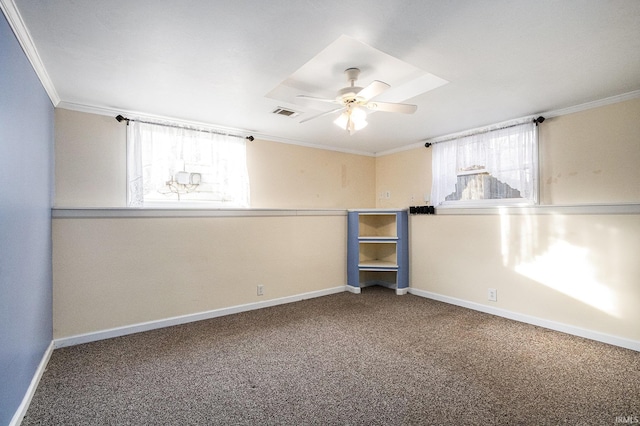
[
  {"x": 352, "y": 120},
  {"x": 354, "y": 99},
  {"x": 360, "y": 125},
  {"x": 342, "y": 120},
  {"x": 358, "y": 115}
]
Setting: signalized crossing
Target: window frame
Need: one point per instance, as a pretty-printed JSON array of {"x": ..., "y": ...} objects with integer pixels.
[
  {"x": 140, "y": 137},
  {"x": 496, "y": 202}
]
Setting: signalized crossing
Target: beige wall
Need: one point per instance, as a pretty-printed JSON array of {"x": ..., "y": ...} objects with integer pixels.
[
  {"x": 91, "y": 169},
  {"x": 592, "y": 156},
  {"x": 90, "y": 160},
  {"x": 405, "y": 176},
  {"x": 579, "y": 270},
  {"x": 114, "y": 272},
  {"x": 588, "y": 157},
  {"x": 290, "y": 176}
]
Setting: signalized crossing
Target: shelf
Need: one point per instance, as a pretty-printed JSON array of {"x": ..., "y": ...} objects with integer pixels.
[
  {"x": 375, "y": 225},
  {"x": 384, "y": 278},
  {"x": 377, "y": 265},
  {"x": 374, "y": 239},
  {"x": 377, "y": 252}
]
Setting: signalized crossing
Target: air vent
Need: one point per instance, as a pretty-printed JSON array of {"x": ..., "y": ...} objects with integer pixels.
[{"x": 285, "y": 112}]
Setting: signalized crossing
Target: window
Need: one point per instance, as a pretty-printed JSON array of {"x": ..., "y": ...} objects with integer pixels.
[
  {"x": 492, "y": 167},
  {"x": 175, "y": 166}
]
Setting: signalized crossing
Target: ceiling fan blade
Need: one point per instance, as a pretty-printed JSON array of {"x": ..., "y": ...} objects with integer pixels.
[
  {"x": 322, "y": 115},
  {"x": 391, "y": 107},
  {"x": 311, "y": 99},
  {"x": 372, "y": 90}
]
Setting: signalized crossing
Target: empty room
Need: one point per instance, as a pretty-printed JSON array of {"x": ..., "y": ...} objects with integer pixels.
[{"x": 320, "y": 212}]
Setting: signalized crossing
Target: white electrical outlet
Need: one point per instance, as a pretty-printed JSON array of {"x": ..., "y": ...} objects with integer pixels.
[
  {"x": 493, "y": 295},
  {"x": 260, "y": 290}
]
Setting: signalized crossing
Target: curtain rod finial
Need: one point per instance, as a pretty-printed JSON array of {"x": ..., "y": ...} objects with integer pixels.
[
  {"x": 120, "y": 119},
  {"x": 251, "y": 138},
  {"x": 427, "y": 145}
]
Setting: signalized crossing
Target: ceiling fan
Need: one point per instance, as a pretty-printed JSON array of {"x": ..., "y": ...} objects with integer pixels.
[{"x": 353, "y": 100}]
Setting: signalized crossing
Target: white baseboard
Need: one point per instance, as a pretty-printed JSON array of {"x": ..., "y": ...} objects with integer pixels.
[
  {"x": 553, "y": 325},
  {"x": 31, "y": 390},
  {"x": 184, "y": 319},
  {"x": 354, "y": 290},
  {"x": 401, "y": 291}
]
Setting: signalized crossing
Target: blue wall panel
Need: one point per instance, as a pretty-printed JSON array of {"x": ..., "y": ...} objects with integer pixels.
[{"x": 26, "y": 168}]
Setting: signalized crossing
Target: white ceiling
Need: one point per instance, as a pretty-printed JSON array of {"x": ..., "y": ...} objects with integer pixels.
[{"x": 219, "y": 62}]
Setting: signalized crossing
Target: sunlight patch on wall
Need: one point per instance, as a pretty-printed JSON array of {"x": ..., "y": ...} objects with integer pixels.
[
  {"x": 541, "y": 249},
  {"x": 565, "y": 267},
  {"x": 518, "y": 239}
]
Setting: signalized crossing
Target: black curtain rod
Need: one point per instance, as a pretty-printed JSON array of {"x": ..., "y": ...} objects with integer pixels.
[
  {"x": 120, "y": 119},
  {"x": 535, "y": 120}
]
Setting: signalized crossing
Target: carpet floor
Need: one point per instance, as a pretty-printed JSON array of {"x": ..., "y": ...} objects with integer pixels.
[{"x": 344, "y": 359}]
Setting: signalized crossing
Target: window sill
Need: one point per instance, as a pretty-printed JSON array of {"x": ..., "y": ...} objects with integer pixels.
[
  {"x": 483, "y": 204},
  {"x": 78, "y": 213},
  {"x": 620, "y": 208}
]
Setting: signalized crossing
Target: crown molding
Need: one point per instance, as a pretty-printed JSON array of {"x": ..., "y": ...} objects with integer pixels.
[
  {"x": 112, "y": 112},
  {"x": 314, "y": 146},
  {"x": 548, "y": 114},
  {"x": 593, "y": 104},
  {"x": 21, "y": 32}
]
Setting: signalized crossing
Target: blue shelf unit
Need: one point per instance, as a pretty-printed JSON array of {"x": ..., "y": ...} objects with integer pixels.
[{"x": 378, "y": 249}]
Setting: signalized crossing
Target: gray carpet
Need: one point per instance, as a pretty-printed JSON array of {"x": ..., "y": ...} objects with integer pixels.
[{"x": 345, "y": 359}]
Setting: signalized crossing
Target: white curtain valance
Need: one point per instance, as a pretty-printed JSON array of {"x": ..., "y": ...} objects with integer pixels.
[
  {"x": 155, "y": 153},
  {"x": 508, "y": 154}
]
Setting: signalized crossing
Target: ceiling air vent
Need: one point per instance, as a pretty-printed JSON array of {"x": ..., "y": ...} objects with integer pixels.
[{"x": 285, "y": 112}]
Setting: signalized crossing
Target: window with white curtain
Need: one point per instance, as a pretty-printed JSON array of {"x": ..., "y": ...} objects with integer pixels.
[
  {"x": 175, "y": 166},
  {"x": 494, "y": 167}
]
